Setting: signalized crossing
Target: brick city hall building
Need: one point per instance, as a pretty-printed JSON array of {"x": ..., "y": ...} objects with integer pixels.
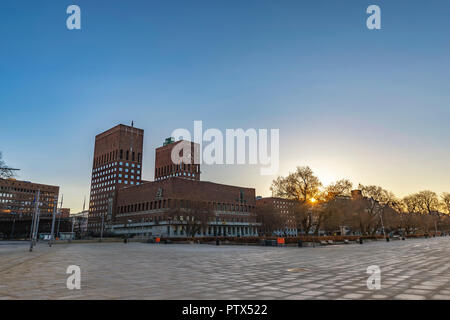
[{"x": 124, "y": 204}]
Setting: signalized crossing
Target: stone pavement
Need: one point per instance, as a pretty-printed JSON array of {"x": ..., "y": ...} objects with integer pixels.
[{"x": 411, "y": 269}]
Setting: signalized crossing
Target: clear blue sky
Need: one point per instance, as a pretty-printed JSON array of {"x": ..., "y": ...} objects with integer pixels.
[{"x": 371, "y": 106}]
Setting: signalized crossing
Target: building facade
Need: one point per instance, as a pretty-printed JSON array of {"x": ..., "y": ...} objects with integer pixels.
[
  {"x": 120, "y": 202},
  {"x": 117, "y": 162},
  {"x": 17, "y": 206},
  {"x": 145, "y": 209},
  {"x": 166, "y": 168},
  {"x": 285, "y": 209},
  {"x": 17, "y": 197},
  {"x": 80, "y": 222}
]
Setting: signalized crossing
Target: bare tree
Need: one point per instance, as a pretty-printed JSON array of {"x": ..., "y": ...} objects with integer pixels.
[
  {"x": 5, "y": 171},
  {"x": 428, "y": 201},
  {"x": 301, "y": 185},
  {"x": 370, "y": 210},
  {"x": 446, "y": 201},
  {"x": 412, "y": 203},
  {"x": 332, "y": 215},
  {"x": 329, "y": 209},
  {"x": 270, "y": 219},
  {"x": 408, "y": 220},
  {"x": 339, "y": 188}
]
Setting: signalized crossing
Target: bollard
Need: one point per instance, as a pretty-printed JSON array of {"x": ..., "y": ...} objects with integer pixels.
[
  {"x": 217, "y": 242},
  {"x": 300, "y": 243}
]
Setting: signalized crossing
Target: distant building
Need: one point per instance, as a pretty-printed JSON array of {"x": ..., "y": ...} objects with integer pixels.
[
  {"x": 64, "y": 212},
  {"x": 18, "y": 197},
  {"x": 17, "y": 206},
  {"x": 285, "y": 209},
  {"x": 80, "y": 222}
]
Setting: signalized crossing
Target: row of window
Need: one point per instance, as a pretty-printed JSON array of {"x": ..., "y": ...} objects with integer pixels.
[
  {"x": 180, "y": 174},
  {"x": 103, "y": 169},
  {"x": 161, "y": 204},
  {"x": 176, "y": 219},
  {"x": 117, "y": 155},
  {"x": 172, "y": 169}
]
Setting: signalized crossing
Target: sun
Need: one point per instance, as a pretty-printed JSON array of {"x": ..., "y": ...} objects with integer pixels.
[{"x": 313, "y": 200}]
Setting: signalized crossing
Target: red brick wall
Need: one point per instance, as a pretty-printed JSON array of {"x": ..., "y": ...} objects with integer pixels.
[{"x": 164, "y": 167}]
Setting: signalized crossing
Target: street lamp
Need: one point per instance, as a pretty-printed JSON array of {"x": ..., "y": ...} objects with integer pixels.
[
  {"x": 101, "y": 231},
  {"x": 170, "y": 220}
]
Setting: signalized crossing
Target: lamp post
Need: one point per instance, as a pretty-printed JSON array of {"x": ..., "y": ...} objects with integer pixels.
[
  {"x": 126, "y": 235},
  {"x": 101, "y": 231},
  {"x": 52, "y": 234},
  {"x": 13, "y": 225},
  {"x": 35, "y": 222},
  {"x": 59, "y": 214}
]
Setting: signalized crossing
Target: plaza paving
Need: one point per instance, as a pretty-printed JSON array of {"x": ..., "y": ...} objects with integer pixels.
[{"x": 411, "y": 269}]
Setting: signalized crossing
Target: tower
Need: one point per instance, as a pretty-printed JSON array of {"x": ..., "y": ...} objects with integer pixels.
[
  {"x": 166, "y": 168},
  {"x": 117, "y": 162}
]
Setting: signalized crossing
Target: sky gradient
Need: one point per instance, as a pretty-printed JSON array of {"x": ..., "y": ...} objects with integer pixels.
[{"x": 370, "y": 106}]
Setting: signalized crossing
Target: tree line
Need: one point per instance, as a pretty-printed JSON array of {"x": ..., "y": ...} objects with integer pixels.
[{"x": 369, "y": 210}]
